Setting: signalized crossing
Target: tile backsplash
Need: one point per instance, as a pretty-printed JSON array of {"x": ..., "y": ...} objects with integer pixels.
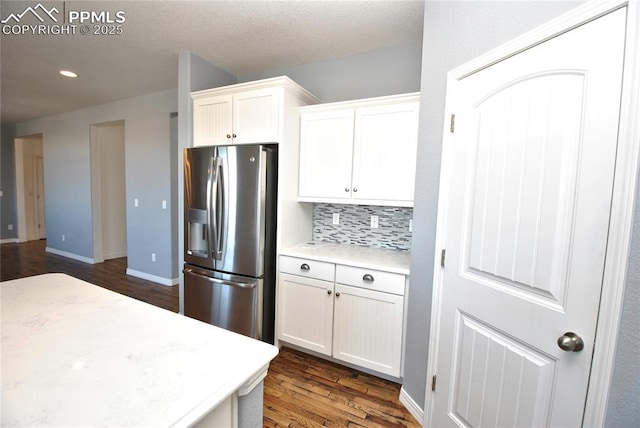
[{"x": 355, "y": 225}]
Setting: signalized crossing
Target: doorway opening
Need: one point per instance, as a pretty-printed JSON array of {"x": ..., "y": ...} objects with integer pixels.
[
  {"x": 108, "y": 191},
  {"x": 30, "y": 188}
]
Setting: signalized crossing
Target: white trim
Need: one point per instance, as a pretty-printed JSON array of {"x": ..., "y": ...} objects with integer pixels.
[
  {"x": 411, "y": 406},
  {"x": 620, "y": 230},
  {"x": 8, "y": 241},
  {"x": 21, "y": 229},
  {"x": 153, "y": 278},
  {"x": 623, "y": 203},
  {"x": 70, "y": 255}
]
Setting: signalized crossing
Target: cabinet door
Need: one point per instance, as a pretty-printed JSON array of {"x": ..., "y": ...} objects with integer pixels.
[
  {"x": 256, "y": 116},
  {"x": 368, "y": 329},
  {"x": 326, "y": 153},
  {"x": 305, "y": 312},
  {"x": 385, "y": 144},
  {"x": 212, "y": 121}
]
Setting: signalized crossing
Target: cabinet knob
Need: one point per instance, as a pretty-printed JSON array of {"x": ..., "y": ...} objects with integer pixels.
[
  {"x": 228, "y": 135},
  {"x": 328, "y": 291},
  {"x": 304, "y": 266},
  {"x": 346, "y": 189},
  {"x": 234, "y": 135},
  {"x": 368, "y": 277},
  {"x": 338, "y": 294},
  {"x": 355, "y": 189}
]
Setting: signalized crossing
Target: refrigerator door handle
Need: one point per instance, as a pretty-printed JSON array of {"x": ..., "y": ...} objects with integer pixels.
[
  {"x": 221, "y": 281},
  {"x": 215, "y": 166}
]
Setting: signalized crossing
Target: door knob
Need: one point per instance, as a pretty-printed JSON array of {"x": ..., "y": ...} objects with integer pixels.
[{"x": 571, "y": 342}]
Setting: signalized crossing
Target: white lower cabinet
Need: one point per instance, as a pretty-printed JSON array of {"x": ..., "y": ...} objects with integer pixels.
[
  {"x": 306, "y": 312},
  {"x": 367, "y": 328},
  {"x": 355, "y": 316}
]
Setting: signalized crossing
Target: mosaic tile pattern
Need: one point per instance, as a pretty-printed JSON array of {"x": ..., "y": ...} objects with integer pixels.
[{"x": 355, "y": 225}]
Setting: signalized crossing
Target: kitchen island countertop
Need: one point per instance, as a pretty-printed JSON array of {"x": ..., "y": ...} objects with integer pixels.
[
  {"x": 77, "y": 354},
  {"x": 388, "y": 260}
]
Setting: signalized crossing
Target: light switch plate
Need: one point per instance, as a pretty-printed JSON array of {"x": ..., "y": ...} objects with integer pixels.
[{"x": 336, "y": 218}]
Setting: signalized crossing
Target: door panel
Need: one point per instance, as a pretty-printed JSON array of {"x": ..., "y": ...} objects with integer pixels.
[
  {"x": 326, "y": 154},
  {"x": 241, "y": 209},
  {"x": 212, "y": 121},
  {"x": 524, "y": 186},
  {"x": 256, "y": 116},
  {"x": 532, "y": 165},
  {"x": 384, "y": 152},
  {"x": 232, "y": 303}
]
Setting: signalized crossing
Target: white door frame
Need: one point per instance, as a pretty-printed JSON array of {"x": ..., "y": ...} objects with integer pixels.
[{"x": 623, "y": 201}]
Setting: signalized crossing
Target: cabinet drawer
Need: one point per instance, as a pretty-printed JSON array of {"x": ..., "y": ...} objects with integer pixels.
[
  {"x": 371, "y": 279},
  {"x": 307, "y": 268}
]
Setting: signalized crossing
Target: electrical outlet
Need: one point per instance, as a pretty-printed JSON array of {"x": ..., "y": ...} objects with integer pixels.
[
  {"x": 135, "y": 202},
  {"x": 374, "y": 222},
  {"x": 164, "y": 205},
  {"x": 10, "y": 226},
  {"x": 63, "y": 238},
  {"x": 336, "y": 218},
  {"x": 153, "y": 257}
]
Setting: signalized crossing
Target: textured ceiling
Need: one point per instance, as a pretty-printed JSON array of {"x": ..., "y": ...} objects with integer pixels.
[{"x": 241, "y": 37}]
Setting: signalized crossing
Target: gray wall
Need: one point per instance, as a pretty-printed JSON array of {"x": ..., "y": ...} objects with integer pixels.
[
  {"x": 7, "y": 182},
  {"x": 454, "y": 33},
  {"x": 66, "y": 140},
  {"x": 381, "y": 72}
]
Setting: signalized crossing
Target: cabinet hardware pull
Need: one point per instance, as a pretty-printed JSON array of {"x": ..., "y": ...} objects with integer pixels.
[
  {"x": 346, "y": 189},
  {"x": 228, "y": 135},
  {"x": 304, "y": 266},
  {"x": 234, "y": 135},
  {"x": 338, "y": 294},
  {"x": 355, "y": 189},
  {"x": 367, "y": 277},
  {"x": 328, "y": 291}
]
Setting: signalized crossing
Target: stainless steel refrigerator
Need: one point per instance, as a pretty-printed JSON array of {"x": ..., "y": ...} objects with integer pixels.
[{"x": 230, "y": 195}]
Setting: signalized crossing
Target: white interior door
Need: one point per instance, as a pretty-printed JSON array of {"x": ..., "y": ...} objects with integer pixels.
[
  {"x": 528, "y": 204},
  {"x": 40, "y": 212}
]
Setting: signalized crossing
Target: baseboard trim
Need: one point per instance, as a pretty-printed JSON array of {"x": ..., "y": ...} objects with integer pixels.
[
  {"x": 8, "y": 241},
  {"x": 153, "y": 278},
  {"x": 411, "y": 406},
  {"x": 70, "y": 255}
]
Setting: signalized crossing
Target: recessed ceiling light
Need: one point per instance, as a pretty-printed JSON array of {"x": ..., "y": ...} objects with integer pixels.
[{"x": 67, "y": 73}]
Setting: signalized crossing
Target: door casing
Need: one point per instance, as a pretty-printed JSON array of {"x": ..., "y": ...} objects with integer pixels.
[{"x": 623, "y": 201}]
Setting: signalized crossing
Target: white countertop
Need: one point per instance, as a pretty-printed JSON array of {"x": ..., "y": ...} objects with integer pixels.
[
  {"x": 77, "y": 354},
  {"x": 395, "y": 261}
]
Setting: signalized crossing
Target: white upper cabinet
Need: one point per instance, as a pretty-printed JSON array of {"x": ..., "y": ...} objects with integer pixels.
[
  {"x": 212, "y": 120},
  {"x": 246, "y": 113},
  {"x": 360, "y": 152},
  {"x": 326, "y": 155},
  {"x": 256, "y": 116}
]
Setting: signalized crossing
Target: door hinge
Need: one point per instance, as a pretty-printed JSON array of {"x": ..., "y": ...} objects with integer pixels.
[
  {"x": 452, "y": 125},
  {"x": 442, "y": 257},
  {"x": 433, "y": 383}
]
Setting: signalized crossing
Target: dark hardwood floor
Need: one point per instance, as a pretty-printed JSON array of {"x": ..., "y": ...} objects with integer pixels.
[
  {"x": 299, "y": 391},
  {"x": 30, "y": 258}
]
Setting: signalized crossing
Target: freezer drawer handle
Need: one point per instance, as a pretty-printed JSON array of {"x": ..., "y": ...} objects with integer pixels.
[
  {"x": 221, "y": 281},
  {"x": 305, "y": 267},
  {"x": 368, "y": 278}
]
